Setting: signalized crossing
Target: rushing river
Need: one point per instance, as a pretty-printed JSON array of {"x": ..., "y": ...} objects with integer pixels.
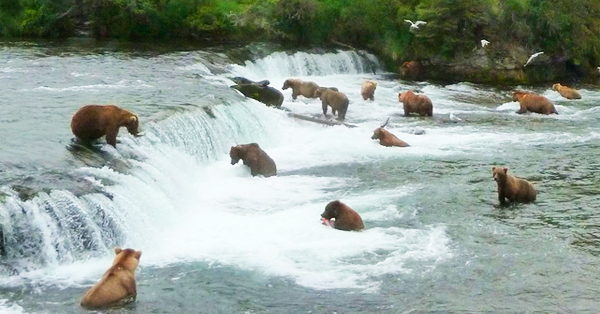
[{"x": 216, "y": 240}]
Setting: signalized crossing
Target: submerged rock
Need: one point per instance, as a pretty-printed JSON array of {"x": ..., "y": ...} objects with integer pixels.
[{"x": 260, "y": 91}]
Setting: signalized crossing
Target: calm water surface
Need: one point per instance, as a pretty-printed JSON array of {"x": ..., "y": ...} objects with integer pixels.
[{"x": 216, "y": 240}]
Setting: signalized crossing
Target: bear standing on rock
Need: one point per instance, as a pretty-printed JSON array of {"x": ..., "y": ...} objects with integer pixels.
[
  {"x": 512, "y": 188},
  {"x": 255, "y": 158},
  {"x": 118, "y": 283},
  {"x": 94, "y": 121},
  {"x": 533, "y": 103},
  {"x": 412, "y": 102},
  {"x": 345, "y": 217},
  {"x": 567, "y": 92}
]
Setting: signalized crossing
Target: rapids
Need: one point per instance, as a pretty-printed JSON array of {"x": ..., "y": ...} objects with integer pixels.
[{"x": 215, "y": 239}]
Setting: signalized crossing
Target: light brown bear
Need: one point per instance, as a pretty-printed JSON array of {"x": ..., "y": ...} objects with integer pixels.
[
  {"x": 567, "y": 92},
  {"x": 345, "y": 217},
  {"x": 419, "y": 104},
  {"x": 533, "y": 102},
  {"x": 512, "y": 188},
  {"x": 94, "y": 121},
  {"x": 367, "y": 90},
  {"x": 255, "y": 158},
  {"x": 117, "y": 286},
  {"x": 411, "y": 70},
  {"x": 334, "y": 99},
  {"x": 306, "y": 89},
  {"x": 386, "y": 138}
]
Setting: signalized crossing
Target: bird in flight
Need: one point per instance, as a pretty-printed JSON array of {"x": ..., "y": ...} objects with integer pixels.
[
  {"x": 415, "y": 26},
  {"x": 533, "y": 56},
  {"x": 484, "y": 43}
]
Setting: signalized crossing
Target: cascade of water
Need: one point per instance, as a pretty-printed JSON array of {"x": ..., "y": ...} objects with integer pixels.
[
  {"x": 283, "y": 65},
  {"x": 59, "y": 227}
]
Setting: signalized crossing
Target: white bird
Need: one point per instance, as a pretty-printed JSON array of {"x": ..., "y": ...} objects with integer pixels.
[
  {"x": 415, "y": 26},
  {"x": 484, "y": 43},
  {"x": 598, "y": 69},
  {"x": 454, "y": 118},
  {"x": 533, "y": 56}
]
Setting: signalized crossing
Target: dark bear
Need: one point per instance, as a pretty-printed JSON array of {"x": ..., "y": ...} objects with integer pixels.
[
  {"x": 255, "y": 158},
  {"x": 411, "y": 70},
  {"x": 512, "y": 188},
  {"x": 533, "y": 102},
  {"x": 345, "y": 217},
  {"x": 334, "y": 99},
  {"x": 94, "y": 121},
  {"x": 118, "y": 283}
]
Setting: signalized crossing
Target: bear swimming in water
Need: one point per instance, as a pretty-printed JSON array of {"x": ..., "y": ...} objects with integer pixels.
[
  {"x": 118, "y": 283},
  {"x": 345, "y": 217}
]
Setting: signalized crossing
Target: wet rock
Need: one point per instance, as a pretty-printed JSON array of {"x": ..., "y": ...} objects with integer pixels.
[
  {"x": 260, "y": 91},
  {"x": 497, "y": 63},
  {"x": 417, "y": 131}
]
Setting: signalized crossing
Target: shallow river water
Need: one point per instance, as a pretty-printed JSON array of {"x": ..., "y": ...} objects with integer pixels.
[{"x": 217, "y": 240}]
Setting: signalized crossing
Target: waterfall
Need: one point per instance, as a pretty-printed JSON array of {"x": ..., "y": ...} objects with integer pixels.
[
  {"x": 133, "y": 198},
  {"x": 283, "y": 65}
]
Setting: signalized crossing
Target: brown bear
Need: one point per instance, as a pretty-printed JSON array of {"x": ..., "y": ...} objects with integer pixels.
[
  {"x": 411, "y": 70},
  {"x": 512, "y": 188},
  {"x": 386, "y": 138},
  {"x": 117, "y": 286},
  {"x": 567, "y": 92},
  {"x": 419, "y": 104},
  {"x": 367, "y": 90},
  {"x": 306, "y": 89},
  {"x": 255, "y": 158},
  {"x": 345, "y": 217},
  {"x": 334, "y": 99},
  {"x": 94, "y": 121},
  {"x": 533, "y": 102}
]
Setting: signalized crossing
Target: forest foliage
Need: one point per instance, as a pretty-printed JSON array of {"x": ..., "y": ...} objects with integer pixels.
[{"x": 562, "y": 28}]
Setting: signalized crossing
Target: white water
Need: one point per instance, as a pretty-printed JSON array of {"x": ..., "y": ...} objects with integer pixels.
[{"x": 183, "y": 202}]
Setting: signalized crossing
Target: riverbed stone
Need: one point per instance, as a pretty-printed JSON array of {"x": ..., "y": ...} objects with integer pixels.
[{"x": 260, "y": 91}]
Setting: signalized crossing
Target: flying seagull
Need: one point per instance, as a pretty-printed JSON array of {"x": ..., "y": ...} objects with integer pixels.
[
  {"x": 484, "y": 43},
  {"x": 415, "y": 26},
  {"x": 533, "y": 56}
]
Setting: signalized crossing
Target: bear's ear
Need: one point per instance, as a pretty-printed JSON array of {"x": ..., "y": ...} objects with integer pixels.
[
  {"x": 137, "y": 255},
  {"x": 505, "y": 170},
  {"x": 133, "y": 119},
  {"x": 493, "y": 169},
  {"x": 118, "y": 250}
]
